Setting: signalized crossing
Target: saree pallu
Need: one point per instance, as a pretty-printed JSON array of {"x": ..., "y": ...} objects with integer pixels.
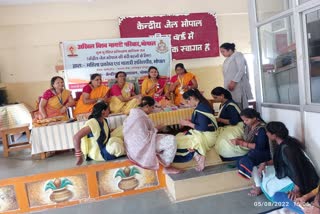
[
  {"x": 224, "y": 147},
  {"x": 117, "y": 106},
  {"x": 89, "y": 144},
  {"x": 82, "y": 108},
  {"x": 186, "y": 81}
]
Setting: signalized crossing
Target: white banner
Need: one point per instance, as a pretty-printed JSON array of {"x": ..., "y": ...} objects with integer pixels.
[{"x": 108, "y": 56}]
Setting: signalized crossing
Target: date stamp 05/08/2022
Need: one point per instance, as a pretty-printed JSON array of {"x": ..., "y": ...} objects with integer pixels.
[{"x": 276, "y": 204}]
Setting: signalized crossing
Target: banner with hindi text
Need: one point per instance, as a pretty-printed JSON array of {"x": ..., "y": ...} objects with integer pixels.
[
  {"x": 108, "y": 56},
  {"x": 193, "y": 35}
]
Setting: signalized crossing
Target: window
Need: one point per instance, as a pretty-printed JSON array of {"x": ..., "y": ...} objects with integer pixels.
[
  {"x": 313, "y": 41},
  {"x": 268, "y": 8},
  {"x": 278, "y": 62}
]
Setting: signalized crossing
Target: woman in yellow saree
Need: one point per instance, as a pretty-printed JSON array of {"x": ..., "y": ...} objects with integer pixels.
[
  {"x": 181, "y": 82},
  {"x": 153, "y": 86},
  {"x": 93, "y": 92},
  {"x": 123, "y": 97},
  {"x": 55, "y": 101}
]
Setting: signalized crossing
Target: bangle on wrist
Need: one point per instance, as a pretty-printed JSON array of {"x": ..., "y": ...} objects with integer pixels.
[{"x": 78, "y": 154}]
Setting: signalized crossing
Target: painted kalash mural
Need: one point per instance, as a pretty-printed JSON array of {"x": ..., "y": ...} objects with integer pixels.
[
  {"x": 124, "y": 179},
  {"x": 60, "y": 191},
  {"x": 74, "y": 188},
  {"x": 128, "y": 180},
  {"x": 57, "y": 190}
]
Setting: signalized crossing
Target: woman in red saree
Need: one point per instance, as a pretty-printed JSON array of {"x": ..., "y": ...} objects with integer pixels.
[{"x": 56, "y": 100}]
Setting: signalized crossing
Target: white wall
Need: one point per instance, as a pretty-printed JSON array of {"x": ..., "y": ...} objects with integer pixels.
[
  {"x": 312, "y": 137},
  {"x": 290, "y": 118}
]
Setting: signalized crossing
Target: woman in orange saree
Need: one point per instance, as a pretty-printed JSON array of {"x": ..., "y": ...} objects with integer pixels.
[
  {"x": 93, "y": 92},
  {"x": 153, "y": 86},
  {"x": 181, "y": 82},
  {"x": 55, "y": 101},
  {"x": 123, "y": 97}
]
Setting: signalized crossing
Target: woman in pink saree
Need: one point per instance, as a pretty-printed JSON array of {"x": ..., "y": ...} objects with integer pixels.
[{"x": 144, "y": 146}]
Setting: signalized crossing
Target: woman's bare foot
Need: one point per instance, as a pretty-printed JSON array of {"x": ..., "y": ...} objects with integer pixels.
[
  {"x": 255, "y": 192},
  {"x": 172, "y": 170},
  {"x": 200, "y": 161}
]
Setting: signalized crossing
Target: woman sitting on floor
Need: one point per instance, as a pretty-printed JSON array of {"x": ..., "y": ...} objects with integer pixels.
[
  {"x": 55, "y": 101},
  {"x": 144, "y": 146},
  {"x": 181, "y": 82},
  {"x": 95, "y": 140},
  {"x": 255, "y": 139},
  {"x": 201, "y": 137},
  {"x": 290, "y": 171},
  {"x": 153, "y": 86},
  {"x": 123, "y": 97},
  {"x": 230, "y": 126},
  {"x": 93, "y": 92}
]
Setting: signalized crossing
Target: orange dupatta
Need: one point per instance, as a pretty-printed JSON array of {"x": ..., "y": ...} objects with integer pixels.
[
  {"x": 82, "y": 108},
  {"x": 185, "y": 81}
]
